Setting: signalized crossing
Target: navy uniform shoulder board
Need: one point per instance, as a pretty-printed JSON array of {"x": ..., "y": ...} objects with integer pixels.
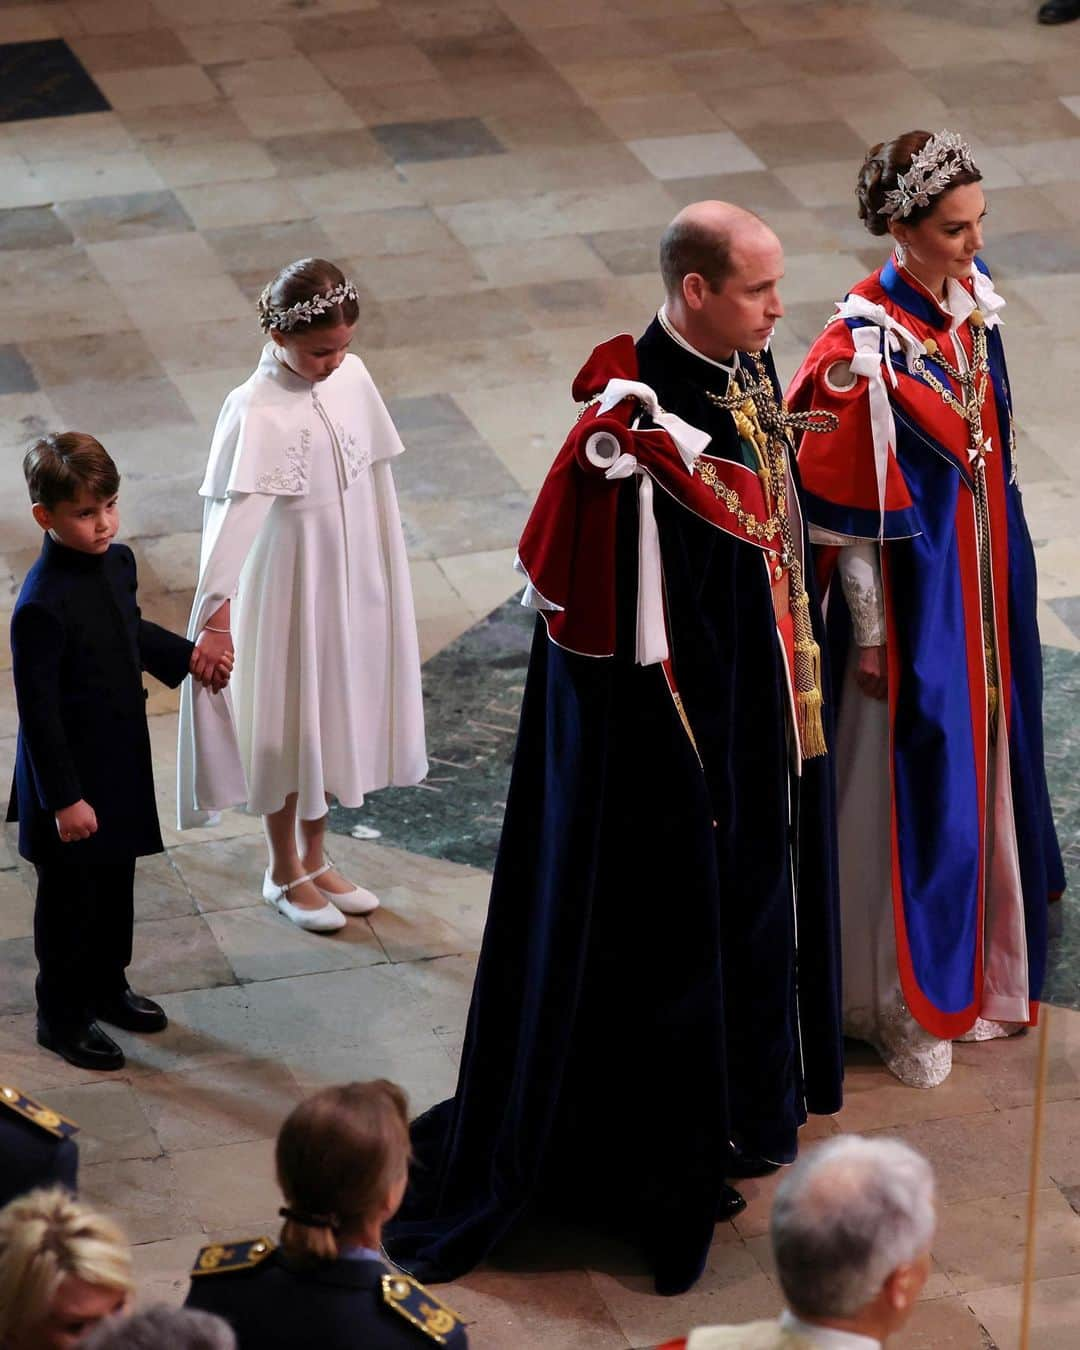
[
  {"x": 42, "y": 1116},
  {"x": 220, "y": 1257},
  {"x": 413, "y": 1302}
]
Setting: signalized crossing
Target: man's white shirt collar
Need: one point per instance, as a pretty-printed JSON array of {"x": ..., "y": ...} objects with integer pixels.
[
  {"x": 827, "y": 1338},
  {"x": 673, "y": 333}
]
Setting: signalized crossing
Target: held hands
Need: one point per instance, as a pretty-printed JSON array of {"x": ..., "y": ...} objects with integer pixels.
[
  {"x": 212, "y": 660},
  {"x": 77, "y": 821},
  {"x": 872, "y": 672}
]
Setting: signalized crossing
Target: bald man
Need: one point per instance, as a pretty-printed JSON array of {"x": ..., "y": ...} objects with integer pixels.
[{"x": 656, "y": 1005}]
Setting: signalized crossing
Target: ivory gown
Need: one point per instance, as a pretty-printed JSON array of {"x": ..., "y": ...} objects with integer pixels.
[{"x": 301, "y": 529}]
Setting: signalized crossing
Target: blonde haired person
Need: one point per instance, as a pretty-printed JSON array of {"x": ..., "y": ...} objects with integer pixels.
[
  {"x": 342, "y": 1164},
  {"x": 63, "y": 1269}
]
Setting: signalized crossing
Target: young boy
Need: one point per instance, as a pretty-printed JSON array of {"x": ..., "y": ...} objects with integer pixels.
[{"x": 84, "y": 791}]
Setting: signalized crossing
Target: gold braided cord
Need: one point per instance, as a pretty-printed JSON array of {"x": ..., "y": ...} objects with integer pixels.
[{"x": 764, "y": 423}]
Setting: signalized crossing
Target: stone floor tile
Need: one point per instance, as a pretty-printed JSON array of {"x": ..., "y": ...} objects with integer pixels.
[
  {"x": 110, "y": 176},
  {"x": 874, "y": 1099},
  {"x": 732, "y": 1289},
  {"x": 136, "y": 404},
  {"x": 229, "y": 1184},
  {"x": 228, "y": 1102},
  {"x": 153, "y": 1197},
  {"x": 504, "y": 220},
  {"x": 184, "y": 124},
  {"x": 160, "y": 892},
  {"x": 127, "y": 216},
  {"x": 213, "y": 43},
  {"x": 550, "y": 1308},
  {"x": 16, "y": 905},
  {"x": 1046, "y": 160},
  {"x": 147, "y": 47},
  {"x": 450, "y": 270},
  {"x": 32, "y": 227},
  {"x": 375, "y": 64},
  {"x": 714, "y": 152},
  {"x": 791, "y": 103},
  {"x": 161, "y": 1269},
  {"x": 324, "y": 152},
  {"x": 112, "y": 1124},
  {"x": 257, "y": 77},
  {"x": 941, "y": 1324},
  {"x": 192, "y": 301},
  {"x": 344, "y": 29},
  {"x": 114, "y": 16},
  {"x": 981, "y": 1243},
  {"x": 1055, "y": 1313},
  {"x": 784, "y": 143},
  {"x": 449, "y": 138},
  {"x": 819, "y": 184},
  {"x": 16, "y": 376},
  {"x": 964, "y": 1173},
  {"x": 608, "y": 81},
  {"x": 307, "y": 113},
  {"x": 355, "y": 190},
  {"x": 396, "y": 231},
  {"x": 259, "y": 944},
  {"x": 212, "y": 206},
  {"x": 420, "y": 99},
  {"x": 157, "y": 86},
  {"x": 483, "y": 580},
  {"x": 186, "y": 254},
  {"x": 527, "y": 430},
  {"x": 428, "y": 1073},
  {"x": 484, "y": 523},
  {"x": 761, "y": 192},
  {"x": 20, "y": 969},
  {"x": 177, "y": 954},
  {"x": 483, "y": 314},
  {"x": 224, "y": 162},
  {"x": 94, "y": 359},
  {"x": 563, "y": 124},
  {"x": 411, "y": 928}
]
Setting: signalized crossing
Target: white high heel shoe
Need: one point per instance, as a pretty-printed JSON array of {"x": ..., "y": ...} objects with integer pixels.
[
  {"x": 356, "y": 901},
  {"x": 328, "y": 919}
]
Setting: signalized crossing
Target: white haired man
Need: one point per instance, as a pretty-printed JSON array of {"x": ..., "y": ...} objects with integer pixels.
[{"x": 851, "y": 1229}]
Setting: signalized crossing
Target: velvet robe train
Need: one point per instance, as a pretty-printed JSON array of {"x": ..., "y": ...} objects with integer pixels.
[{"x": 639, "y": 1000}]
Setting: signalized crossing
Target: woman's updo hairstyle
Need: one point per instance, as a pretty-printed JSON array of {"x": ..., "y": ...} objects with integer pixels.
[
  {"x": 339, "y": 1154},
  {"x": 306, "y": 283},
  {"x": 887, "y": 162}
]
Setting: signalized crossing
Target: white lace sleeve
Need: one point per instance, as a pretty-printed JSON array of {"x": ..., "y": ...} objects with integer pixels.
[{"x": 860, "y": 576}]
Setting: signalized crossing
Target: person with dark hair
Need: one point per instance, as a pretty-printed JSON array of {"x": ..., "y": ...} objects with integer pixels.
[
  {"x": 304, "y": 565},
  {"x": 342, "y": 1159},
  {"x": 84, "y": 787},
  {"x": 162, "y": 1329},
  {"x": 948, "y": 853},
  {"x": 672, "y": 753}
]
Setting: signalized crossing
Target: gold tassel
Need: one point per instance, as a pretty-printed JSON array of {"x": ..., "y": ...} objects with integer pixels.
[
  {"x": 809, "y": 700},
  {"x": 811, "y": 726}
]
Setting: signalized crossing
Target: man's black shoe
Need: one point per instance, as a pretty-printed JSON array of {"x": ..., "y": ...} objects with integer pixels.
[
  {"x": 87, "y": 1047},
  {"x": 730, "y": 1204},
  {"x": 132, "y": 1012},
  {"x": 1059, "y": 11}
]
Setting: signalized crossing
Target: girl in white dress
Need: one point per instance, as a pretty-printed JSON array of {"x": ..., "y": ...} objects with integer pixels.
[{"x": 304, "y": 568}]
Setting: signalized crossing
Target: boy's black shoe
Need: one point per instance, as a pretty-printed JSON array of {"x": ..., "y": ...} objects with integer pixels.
[
  {"x": 132, "y": 1011},
  {"x": 730, "y": 1205},
  {"x": 87, "y": 1047},
  {"x": 741, "y": 1166}
]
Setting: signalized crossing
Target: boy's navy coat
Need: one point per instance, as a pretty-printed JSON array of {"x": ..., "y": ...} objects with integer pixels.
[{"x": 79, "y": 647}]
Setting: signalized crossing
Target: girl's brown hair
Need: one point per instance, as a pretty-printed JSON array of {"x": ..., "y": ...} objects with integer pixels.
[
  {"x": 338, "y": 1154},
  {"x": 883, "y": 165},
  {"x": 58, "y": 465},
  {"x": 303, "y": 280}
]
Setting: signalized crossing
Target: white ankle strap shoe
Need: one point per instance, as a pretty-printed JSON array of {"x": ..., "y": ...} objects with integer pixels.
[
  {"x": 356, "y": 901},
  {"x": 328, "y": 919}
]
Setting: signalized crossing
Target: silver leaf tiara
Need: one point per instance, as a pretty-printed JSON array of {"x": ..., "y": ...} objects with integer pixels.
[
  {"x": 284, "y": 320},
  {"x": 932, "y": 169}
]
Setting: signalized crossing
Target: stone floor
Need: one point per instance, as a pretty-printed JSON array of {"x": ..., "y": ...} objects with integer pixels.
[{"x": 494, "y": 173}]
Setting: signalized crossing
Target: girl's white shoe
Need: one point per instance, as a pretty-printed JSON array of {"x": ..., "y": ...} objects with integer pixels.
[
  {"x": 328, "y": 919},
  {"x": 356, "y": 901}
]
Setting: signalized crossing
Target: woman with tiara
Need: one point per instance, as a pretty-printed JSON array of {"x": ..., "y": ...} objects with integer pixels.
[{"x": 947, "y": 848}]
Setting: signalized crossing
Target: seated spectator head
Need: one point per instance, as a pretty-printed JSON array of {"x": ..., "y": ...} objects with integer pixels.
[
  {"x": 63, "y": 1269},
  {"x": 342, "y": 1165},
  {"x": 852, "y": 1225},
  {"x": 162, "y": 1329}
]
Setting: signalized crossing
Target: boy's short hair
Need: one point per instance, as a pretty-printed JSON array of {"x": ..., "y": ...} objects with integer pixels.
[{"x": 58, "y": 465}]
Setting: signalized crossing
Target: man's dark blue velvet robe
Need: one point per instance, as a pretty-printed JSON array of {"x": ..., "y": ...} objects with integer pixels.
[{"x": 641, "y": 998}]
